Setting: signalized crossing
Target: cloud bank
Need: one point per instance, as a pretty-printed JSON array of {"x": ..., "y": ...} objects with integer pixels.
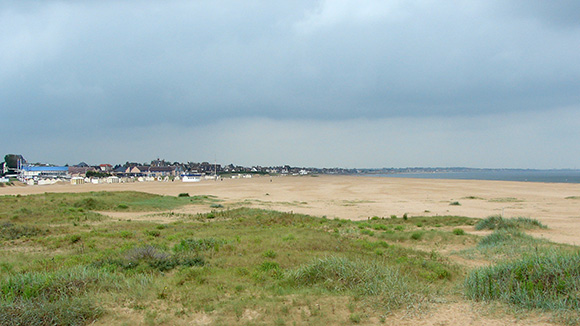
[{"x": 328, "y": 83}]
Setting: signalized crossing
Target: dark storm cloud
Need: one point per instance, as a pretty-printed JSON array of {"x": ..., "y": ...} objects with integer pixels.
[{"x": 331, "y": 60}]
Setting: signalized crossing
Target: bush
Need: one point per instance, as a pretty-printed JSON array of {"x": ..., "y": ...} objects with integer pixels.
[
  {"x": 183, "y": 194},
  {"x": 458, "y": 231},
  {"x": 455, "y": 203},
  {"x": 417, "y": 235},
  {"x": 367, "y": 232}
]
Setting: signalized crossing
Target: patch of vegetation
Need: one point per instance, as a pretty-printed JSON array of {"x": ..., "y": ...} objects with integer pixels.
[
  {"x": 54, "y": 298},
  {"x": 149, "y": 258},
  {"x": 548, "y": 281},
  {"x": 472, "y": 197},
  {"x": 458, "y": 231},
  {"x": 505, "y": 200},
  {"x": 59, "y": 207},
  {"x": 496, "y": 222},
  {"x": 387, "y": 287},
  {"x": 455, "y": 203},
  {"x": 10, "y": 231},
  {"x": 199, "y": 245}
]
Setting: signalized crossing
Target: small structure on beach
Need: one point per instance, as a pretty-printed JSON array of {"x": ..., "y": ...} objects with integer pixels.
[{"x": 77, "y": 181}]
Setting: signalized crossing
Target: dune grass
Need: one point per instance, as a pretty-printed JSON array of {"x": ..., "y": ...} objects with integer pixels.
[
  {"x": 496, "y": 222},
  {"x": 549, "y": 281},
  {"x": 63, "y": 263}
]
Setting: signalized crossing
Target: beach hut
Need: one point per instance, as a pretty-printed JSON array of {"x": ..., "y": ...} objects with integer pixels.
[{"x": 77, "y": 180}]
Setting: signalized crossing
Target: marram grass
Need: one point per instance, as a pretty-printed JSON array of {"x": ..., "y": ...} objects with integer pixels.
[
  {"x": 384, "y": 284},
  {"x": 548, "y": 281},
  {"x": 496, "y": 222}
]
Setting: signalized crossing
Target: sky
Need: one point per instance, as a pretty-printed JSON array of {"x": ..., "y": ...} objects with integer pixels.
[{"x": 342, "y": 83}]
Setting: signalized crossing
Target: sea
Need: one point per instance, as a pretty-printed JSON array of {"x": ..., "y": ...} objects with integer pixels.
[{"x": 552, "y": 176}]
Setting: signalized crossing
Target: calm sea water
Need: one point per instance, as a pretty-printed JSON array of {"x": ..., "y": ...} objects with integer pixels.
[{"x": 565, "y": 176}]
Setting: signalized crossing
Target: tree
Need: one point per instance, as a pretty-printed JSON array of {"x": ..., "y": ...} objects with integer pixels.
[{"x": 12, "y": 160}]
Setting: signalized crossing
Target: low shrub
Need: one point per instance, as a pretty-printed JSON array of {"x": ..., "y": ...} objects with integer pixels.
[
  {"x": 147, "y": 258},
  {"x": 458, "y": 231},
  {"x": 416, "y": 235},
  {"x": 9, "y": 231},
  {"x": 196, "y": 244}
]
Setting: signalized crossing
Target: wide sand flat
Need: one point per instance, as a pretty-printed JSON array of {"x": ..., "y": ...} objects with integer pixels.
[{"x": 356, "y": 197}]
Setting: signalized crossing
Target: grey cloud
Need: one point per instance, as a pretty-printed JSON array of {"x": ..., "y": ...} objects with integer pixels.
[{"x": 89, "y": 67}]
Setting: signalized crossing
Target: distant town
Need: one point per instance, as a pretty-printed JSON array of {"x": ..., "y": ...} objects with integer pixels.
[{"x": 16, "y": 168}]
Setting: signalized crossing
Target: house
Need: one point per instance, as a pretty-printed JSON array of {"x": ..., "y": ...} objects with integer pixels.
[
  {"x": 106, "y": 167},
  {"x": 153, "y": 171},
  {"x": 80, "y": 171},
  {"x": 162, "y": 171},
  {"x": 137, "y": 171}
]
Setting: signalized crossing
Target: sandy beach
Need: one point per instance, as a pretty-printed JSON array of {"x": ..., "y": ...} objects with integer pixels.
[{"x": 355, "y": 197}]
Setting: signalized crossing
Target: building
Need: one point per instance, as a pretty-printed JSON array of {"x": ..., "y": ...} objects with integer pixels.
[
  {"x": 80, "y": 171},
  {"x": 153, "y": 171},
  {"x": 106, "y": 168},
  {"x": 31, "y": 172}
]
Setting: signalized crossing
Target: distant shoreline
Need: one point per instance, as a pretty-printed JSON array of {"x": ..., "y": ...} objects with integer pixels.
[{"x": 520, "y": 175}]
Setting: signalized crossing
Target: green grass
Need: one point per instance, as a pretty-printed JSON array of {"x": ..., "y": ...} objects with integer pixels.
[
  {"x": 548, "y": 281},
  {"x": 55, "y": 298},
  {"x": 384, "y": 286},
  {"x": 57, "y": 207},
  {"x": 497, "y": 222},
  {"x": 59, "y": 259}
]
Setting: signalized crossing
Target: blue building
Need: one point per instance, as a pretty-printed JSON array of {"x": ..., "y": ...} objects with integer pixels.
[{"x": 32, "y": 172}]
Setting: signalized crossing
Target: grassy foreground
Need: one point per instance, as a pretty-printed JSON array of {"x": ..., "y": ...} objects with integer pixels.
[{"x": 63, "y": 263}]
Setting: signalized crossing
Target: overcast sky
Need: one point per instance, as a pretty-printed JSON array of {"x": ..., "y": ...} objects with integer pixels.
[{"x": 358, "y": 83}]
